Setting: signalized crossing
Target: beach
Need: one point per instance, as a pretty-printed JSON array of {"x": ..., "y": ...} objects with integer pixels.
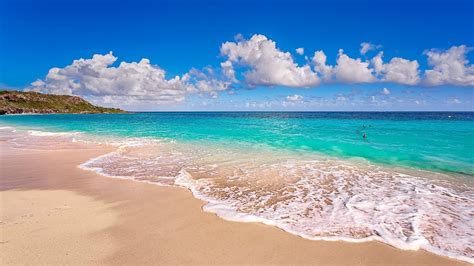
[{"x": 55, "y": 212}]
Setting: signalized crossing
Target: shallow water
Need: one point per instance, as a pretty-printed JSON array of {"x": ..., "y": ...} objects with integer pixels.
[{"x": 313, "y": 175}]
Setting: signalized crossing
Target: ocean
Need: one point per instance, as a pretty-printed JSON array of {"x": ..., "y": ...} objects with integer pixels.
[{"x": 402, "y": 178}]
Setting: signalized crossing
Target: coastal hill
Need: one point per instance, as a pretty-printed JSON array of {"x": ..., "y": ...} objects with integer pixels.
[{"x": 19, "y": 102}]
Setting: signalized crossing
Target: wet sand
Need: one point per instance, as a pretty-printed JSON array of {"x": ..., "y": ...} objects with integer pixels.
[{"x": 53, "y": 212}]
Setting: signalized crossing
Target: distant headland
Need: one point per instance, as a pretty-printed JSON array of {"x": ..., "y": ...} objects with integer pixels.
[{"x": 20, "y": 102}]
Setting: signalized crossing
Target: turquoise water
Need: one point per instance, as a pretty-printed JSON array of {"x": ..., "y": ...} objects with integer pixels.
[{"x": 432, "y": 141}]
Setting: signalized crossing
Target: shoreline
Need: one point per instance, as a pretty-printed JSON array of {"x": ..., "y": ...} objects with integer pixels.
[{"x": 147, "y": 224}]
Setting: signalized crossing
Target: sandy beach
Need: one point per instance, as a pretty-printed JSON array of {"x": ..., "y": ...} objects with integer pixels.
[{"x": 54, "y": 212}]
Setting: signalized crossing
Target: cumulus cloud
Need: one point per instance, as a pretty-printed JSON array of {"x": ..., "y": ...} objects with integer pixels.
[
  {"x": 398, "y": 70},
  {"x": 267, "y": 65},
  {"x": 320, "y": 66},
  {"x": 211, "y": 86},
  {"x": 208, "y": 83},
  {"x": 350, "y": 70},
  {"x": 367, "y": 46},
  {"x": 133, "y": 81},
  {"x": 294, "y": 98},
  {"x": 300, "y": 51},
  {"x": 98, "y": 80},
  {"x": 228, "y": 70},
  {"x": 346, "y": 70},
  {"x": 449, "y": 67}
]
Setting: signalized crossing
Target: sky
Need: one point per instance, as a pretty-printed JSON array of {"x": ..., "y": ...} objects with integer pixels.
[{"x": 338, "y": 55}]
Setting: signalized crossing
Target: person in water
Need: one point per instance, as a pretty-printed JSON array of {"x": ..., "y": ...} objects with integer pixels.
[{"x": 364, "y": 136}]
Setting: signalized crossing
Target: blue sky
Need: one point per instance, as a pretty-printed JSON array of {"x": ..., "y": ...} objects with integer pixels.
[{"x": 179, "y": 36}]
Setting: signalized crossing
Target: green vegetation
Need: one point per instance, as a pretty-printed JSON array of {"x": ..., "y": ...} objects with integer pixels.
[{"x": 19, "y": 102}]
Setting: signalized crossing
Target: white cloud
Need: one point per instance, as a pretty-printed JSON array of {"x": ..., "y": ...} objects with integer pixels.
[
  {"x": 99, "y": 81},
  {"x": 294, "y": 98},
  {"x": 398, "y": 70},
  {"x": 268, "y": 65},
  {"x": 349, "y": 70},
  {"x": 211, "y": 86},
  {"x": 300, "y": 51},
  {"x": 386, "y": 91},
  {"x": 320, "y": 66},
  {"x": 96, "y": 77},
  {"x": 228, "y": 70},
  {"x": 366, "y": 47},
  {"x": 207, "y": 83},
  {"x": 449, "y": 67}
]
